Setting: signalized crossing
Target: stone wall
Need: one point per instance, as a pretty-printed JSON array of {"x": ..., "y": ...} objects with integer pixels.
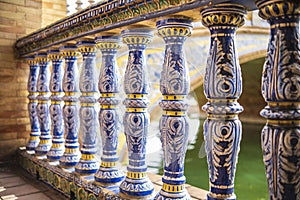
[{"x": 18, "y": 18}]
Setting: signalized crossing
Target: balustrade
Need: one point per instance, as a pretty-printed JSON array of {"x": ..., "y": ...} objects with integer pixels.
[{"x": 73, "y": 108}]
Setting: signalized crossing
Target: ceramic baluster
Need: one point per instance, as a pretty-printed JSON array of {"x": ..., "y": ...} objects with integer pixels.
[
  {"x": 174, "y": 86},
  {"x": 108, "y": 174},
  {"x": 281, "y": 91},
  {"x": 71, "y": 155},
  {"x": 32, "y": 105},
  {"x": 222, "y": 88},
  {"x": 56, "y": 108},
  {"x": 88, "y": 116},
  {"x": 136, "y": 118},
  {"x": 43, "y": 106}
]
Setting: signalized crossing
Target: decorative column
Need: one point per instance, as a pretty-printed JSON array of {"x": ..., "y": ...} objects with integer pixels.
[
  {"x": 71, "y": 155},
  {"x": 56, "y": 108},
  {"x": 108, "y": 86},
  {"x": 281, "y": 91},
  {"x": 222, "y": 88},
  {"x": 43, "y": 106},
  {"x": 32, "y": 105},
  {"x": 136, "y": 118},
  {"x": 174, "y": 86},
  {"x": 88, "y": 116}
]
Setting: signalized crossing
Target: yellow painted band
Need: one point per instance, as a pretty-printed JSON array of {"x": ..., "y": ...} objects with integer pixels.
[
  {"x": 44, "y": 93},
  {"x": 222, "y": 100},
  {"x": 84, "y": 94},
  {"x": 284, "y": 104},
  {"x": 221, "y": 186},
  {"x": 108, "y": 94},
  {"x": 174, "y": 97},
  {"x": 56, "y": 102},
  {"x": 135, "y": 96},
  {"x": 45, "y": 141},
  {"x": 57, "y": 145},
  {"x": 108, "y": 106},
  {"x": 70, "y": 93},
  {"x": 136, "y": 175},
  {"x": 87, "y": 156},
  {"x": 71, "y": 150},
  {"x": 43, "y": 101},
  {"x": 174, "y": 113},
  {"x": 173, "y": 188},
  {"x": 218, "y": 117},
  {"x": 70, "y": 103},
  {"x": 88, "y": 104},
  {"x": 57, "y": 93},
  {"x": 34, "y": 137},
  {"x": 136, "y": 109},
  {"x": 108, "y": 164},
  {"x": 283, "y": 122},
  {"x": 33, "y": 101}
]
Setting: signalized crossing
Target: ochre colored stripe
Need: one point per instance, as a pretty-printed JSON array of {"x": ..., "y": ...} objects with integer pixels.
[
  {"x": 108, "y": 106},
  {"x": 174, "y": 113},
  {"x": 173, "y": 188},
  {"x": 108, "y": 94},
  {"x": 136, "y": 175},
  {"x": 108, "y": 164},
  {"x": 135, "y": 96},
  {"x": 136, "y": 109},
  {"x": 87, "y": 156},
  {"x": 174, "y": 97}
]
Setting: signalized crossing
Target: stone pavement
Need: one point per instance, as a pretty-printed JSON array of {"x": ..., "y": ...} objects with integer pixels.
[{"x": 16, "y": 183}]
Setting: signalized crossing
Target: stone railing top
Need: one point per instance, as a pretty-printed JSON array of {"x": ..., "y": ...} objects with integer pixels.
[{"x": 111, "y": 16}]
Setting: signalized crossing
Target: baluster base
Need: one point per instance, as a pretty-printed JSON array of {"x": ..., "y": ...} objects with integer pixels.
[
  {"x": 86, "y": 167},
  {"x": 44, "y": 147},
  {"x": 70, "y": 158},
  {"x": 232, "y": 197},
  {"x": 163, "y": 195},
  {"x": 108, "y": 176},
  {"x": 33, "y": 142},
  {"x": 136, "y": 188},
  {"x": 56, "y": 151}
]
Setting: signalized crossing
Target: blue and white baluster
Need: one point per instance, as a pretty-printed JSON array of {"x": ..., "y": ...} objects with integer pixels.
[
  {"x": 88, "y": 164},
  {"x": 174, "y": 86},
  {"x": 281, "y": 91},
  {"x": 108, "y": 174},
  {"x": 32, "y": 105},
  {"x": 222, "y": 88},
  {"x": 43, "y": 106},
  {"x": 56, "y": 108},
  {"x": 136, "y": 118},
  {"x": 71, "y": 155}
]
